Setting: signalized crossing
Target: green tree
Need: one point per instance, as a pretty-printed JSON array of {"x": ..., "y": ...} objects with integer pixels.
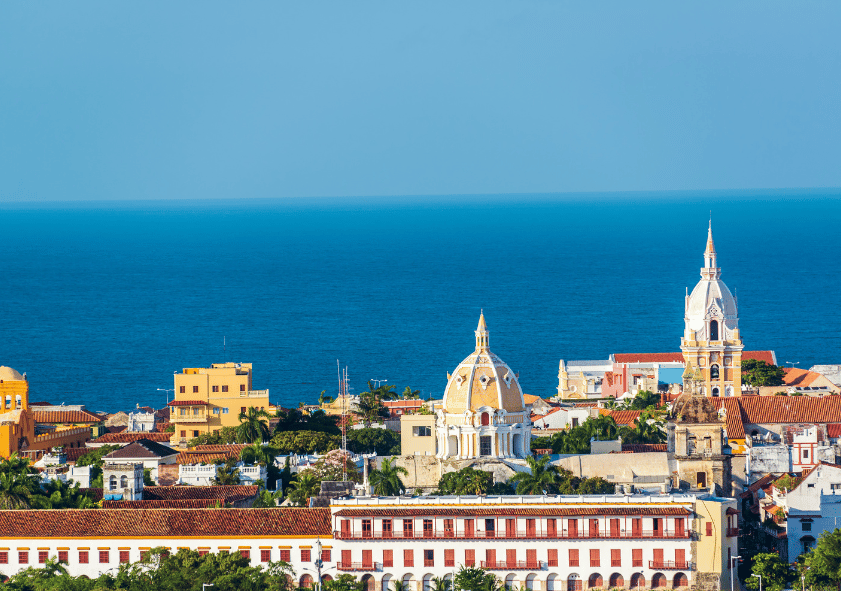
[
  {"x": 253, "y": 425},
  {"x": 595, "y": 485},
  {"x": 227, "y": 473},
  {"x": 371, "y": 408},
  {"x": 382, "y": 441},
  {"x": 324, "y": 399},
  {"x": 643, "y": 400},
  {"x": 775, "y": 573},
  {"x": 648, "y": 428},
  {"x": 304, "y": 442},
  {"x": 344, "y": 582},
  {"x": 262, "y": 455},
  {"x": 409, "y": 394},
  {"x": 541, "y": 478},
  {"x": 467, "y": 481},
  {"x": 475, "y": 579},
  {"x": 307, "y": 485},
  {"x": 441, "y": 584},
  {"x": 759, "y": 373},
  {"x": 296, "y": 420},
  {"x": 825, "y": 558},
  {"x": 267, "y": 498},
  {"x": 386, "y": 481},
  {"x": 224, "y": 436}
]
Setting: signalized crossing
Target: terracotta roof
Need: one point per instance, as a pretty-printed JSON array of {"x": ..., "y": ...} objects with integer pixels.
[
  {"x": 622, "y": 417},
  {"x": 180, "y": 504},
  {"x": 166, "y": 523},
  {"x": 143, "y": 448},
  {"x": 766, "y": 356},
  {"x": 539, "y": 416},
  {"x": 187, "y": 403},
  {"x": 734, "y": 422},
  {"x": 233, "y": 448},
  {"x": 119, "y": 429},
  {"x": 183, "y": 493},
  {"x": 799, "y": 378},
  {"x": 188, "y": 459},
  {"x": 66, "y": 416},
  {"x": 639, "y": 448},
  {"x": 126, "y": 437},
  {"x": 768, "y": 478},
  {"x": 585, "y": 404},
  {"x": 779, "y": 409},
  {"x": 648, "y": 357},
  {"x": 511, "y": 511},
  {"x": 833, "y": 430},
  {"x": 403, "y": 403}
]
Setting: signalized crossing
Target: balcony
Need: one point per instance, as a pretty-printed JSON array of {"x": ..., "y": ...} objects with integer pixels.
[
  {"x": 669, "y": 565},
  {"x": 732, "y": 532},
  {"x": 359, "y": 566},
  {"x": 254, "y": 394},
  {"x": 512, "y": 565},
  {"x": 502, "y": 535},
  {"x": 202, "y": 418}
]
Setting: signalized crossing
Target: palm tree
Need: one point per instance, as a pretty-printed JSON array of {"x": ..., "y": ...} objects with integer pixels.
[
  {"x": 306, "y": 486},
  {"x": 398, "y": 585},
  {"x": 252, "y": 426},
  {"x": 441, "y": 584},
  {"x": 409, "y": 394},
  {"x": 226, "y": 473},
  {"x": 386, "y": 481},
  {"x": 474, "y": 482},
  {"x": 370, "y": 407},
  {"x": 323, "y": 399},
  {"x": 14, "y": 491},
  {"x": 257, "y": 453},
  {"x": 542, "y": 478},
  {"x": 266, "y": 498}
]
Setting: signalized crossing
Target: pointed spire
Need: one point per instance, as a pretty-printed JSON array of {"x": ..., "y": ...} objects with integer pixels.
[
  {"x": 482, "y": 333},
  {"x": 710, "y": 264}
]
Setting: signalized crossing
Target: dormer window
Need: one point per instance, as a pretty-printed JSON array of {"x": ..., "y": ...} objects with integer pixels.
[
  {"x": 507, "y": 377},
  {"x": 484, "y": 380},
  {"x": 459, "y": 380}
]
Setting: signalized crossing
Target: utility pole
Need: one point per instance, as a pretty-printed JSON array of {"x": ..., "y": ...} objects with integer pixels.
[{"x": 733, "y": 560}]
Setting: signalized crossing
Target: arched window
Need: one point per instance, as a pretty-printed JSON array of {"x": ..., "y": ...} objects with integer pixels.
[
  {"x": 112, "y": 483},
  {"x": 123, "y": 481},
  {"x": 486, "y": 418},
  {"x": 714, "y": 371},
  {"x": 713, "y": 330},
  {"x": 716, "y": 392}
]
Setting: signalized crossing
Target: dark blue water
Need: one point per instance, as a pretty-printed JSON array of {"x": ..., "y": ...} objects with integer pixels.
[{"x": 101, "y": 303}]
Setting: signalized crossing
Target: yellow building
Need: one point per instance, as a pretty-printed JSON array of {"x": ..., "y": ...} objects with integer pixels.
[
  {"x": 209, "y": 398},
  {"x": 18, "y": 426},
  {"x": 711, "y": 344},
  {"x": 417, "y": 435}
]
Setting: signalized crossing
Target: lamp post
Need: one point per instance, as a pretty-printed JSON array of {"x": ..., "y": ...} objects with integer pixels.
[
  {"x": 733, "y": 560},
  {"x": 378, "y": 382},
  {"x": 760, "y": 581},
  {"x": 319, "y": 563},
  {"x": 167, "y": 390}
]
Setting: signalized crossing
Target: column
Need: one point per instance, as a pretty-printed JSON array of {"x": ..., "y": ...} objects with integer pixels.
[{"x": 458, "y": 454}]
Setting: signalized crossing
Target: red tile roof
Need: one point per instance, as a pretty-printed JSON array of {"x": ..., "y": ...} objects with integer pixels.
[
  {"x": 166, "y": 523},
  {"x": 126, "y": 437},
  {"x": 403, "y": 403},
  {"x": 187, "y": 403},
  {"x": 767, "y": 479},
  {"x": 66, "y": 416},
  {"x": 143, "y": 448},
  {"x": 799, "y": 377},
  {"x": 233, "y": 448},
  {"x": 622, "y": 417},
  {"x": 180, "y": 504},
  {"x": 74, "y": 453},
  {"x": 778, "y": 409},
  {"x": 511, "y": 511},
  {"x": 639, "y": 448},
  {"x": 833, "y": 430},
  {"x": 766, "y": 356},
  {"x": 209, "y": 458},
  {"x": 183, "y": 493}
]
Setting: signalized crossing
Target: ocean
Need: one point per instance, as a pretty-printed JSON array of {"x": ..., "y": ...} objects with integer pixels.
[{"x": 102, "y": 302}]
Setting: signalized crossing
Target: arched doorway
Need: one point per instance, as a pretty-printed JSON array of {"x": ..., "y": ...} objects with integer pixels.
[
  {"x": 517, "y": 445},
  {"x": 326, "y": 578},
  {"x": 511, "y": 581},
  {"x": 427, "y": 582},
  {"x": 409, "y": 582},
  {"x": 452, "y": 446},
  {"x": 659, "y": 581},
  {"x": 595, "y": 581},
  {"x": 637, "y": 581},
  {"x": 553, "y": 583},
  {"x": 368, "y": 583},
  {"x": 680, "y": 581},
  {"x": 574, "y": 582},
  {"x": 531, "y": 582},
  {"x": 306, "y": 581},
  {"x": 386, "y": 583},
  {"x": 616, "y": 580}
]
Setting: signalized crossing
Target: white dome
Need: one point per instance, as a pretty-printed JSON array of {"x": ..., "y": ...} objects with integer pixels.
[
  {"x": 709, "y": 296},
  {"x": 7, "y": 374}
]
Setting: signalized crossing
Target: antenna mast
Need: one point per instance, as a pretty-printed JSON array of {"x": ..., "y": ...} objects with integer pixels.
[{"x": 343, "y": 389}]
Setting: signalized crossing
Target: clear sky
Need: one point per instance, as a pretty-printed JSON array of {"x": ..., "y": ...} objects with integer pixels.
[{"x": 205, "y": 99}]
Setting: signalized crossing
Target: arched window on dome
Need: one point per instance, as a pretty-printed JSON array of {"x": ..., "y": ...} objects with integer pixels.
[
  {"x": 486, "y": 418},
  {"x": 713, "y": 330},
  {"x": 714, "y": 371}
]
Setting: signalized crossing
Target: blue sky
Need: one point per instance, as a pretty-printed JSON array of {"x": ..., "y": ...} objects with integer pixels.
[{"x": 187, "y": 100}]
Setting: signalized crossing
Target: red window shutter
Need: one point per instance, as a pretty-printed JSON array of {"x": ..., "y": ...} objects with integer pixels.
[
  {"x": 286, "y": 555},
  {"x": 23, "y": 557},
  {"x": 594, "y": 528},
  {"x": 510, "y": 528},
  {"x": 83, "y": 556},
  {"x": 387, "y": 528},
  {"x": 614, "y": 528},
  {"x": 42, "y": 556},
  {"x": 367, "y": 558},
  {"x": 490, "y": 557},
  {"x": 658, "y": 557},
  {"x": 345, "y": 527},
  {"x": 388, "y": 558},
  {"x": 346, "y": 558},
  {"x": 636, "y": 527},
  {"x": 468, "y": 528},
  {"x": 572, "y": 528},
  {"x": 531, "y": 528},
  {"x": 63, "y": 555},
  {"x": 470, "y": 557},
  {"x": 552, "y": 528},
  {"x": 553, "y": 557},
  {"x": 326, "y": 555},
  {"x": 449, "y": 557},
  {"x": 709, "y": 528},
  {"x": 636, "y": 557},
  {"x": 4, "y": 557},
  {"x": 124, "y": 557},
  {"x": 679, "y": 528},
  {"x": 594, "y": 557},
  {"x": 408, "y": 558},
  {"x": 616, "y": 558},
  {"x": 306, "y": 555},
  {"x": 428, "y": 558},
  {"x": 245, "y": 553},
  {"x": 531, "y": 557},
  {"x": 573, "y": 557},
  {"x": 680, "y": 556},
  {"x": 103, "y": 557},
  {"x": 265, "y": 555},
  {"x": 511, "y": 557}
]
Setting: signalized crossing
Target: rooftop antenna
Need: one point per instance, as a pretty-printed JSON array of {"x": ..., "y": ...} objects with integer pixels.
[
  {"x": 224, "y": 348},
  {"x": 343, "y": 394}
]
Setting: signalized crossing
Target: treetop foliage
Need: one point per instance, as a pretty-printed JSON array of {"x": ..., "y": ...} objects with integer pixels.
[{"x": 759, "y": 373}]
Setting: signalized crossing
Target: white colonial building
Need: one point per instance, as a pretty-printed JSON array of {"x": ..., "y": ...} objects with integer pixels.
[
  {"x": 483, "y": 413},
  {"x": 542, "y": 543}
]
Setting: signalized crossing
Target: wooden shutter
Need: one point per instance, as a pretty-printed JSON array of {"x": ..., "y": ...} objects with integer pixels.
[
  {"x": 511, "y": 558},
  {"x": 614, "y": 528},
  {"x": 573, "y": 557},
  {"x": 553, "y": 557},
  {"x": 346, "y": 557},
  {"x": 408, "y": 558},
  {"x": 595, "y": 559}
]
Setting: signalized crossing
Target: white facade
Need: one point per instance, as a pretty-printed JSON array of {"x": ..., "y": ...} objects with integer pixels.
[
  {"x": 203, "y": 475},
  {"x": 814, "y": 506},
  {"x": 141, "y": 421},
  {"x": 561, "y": 418}
]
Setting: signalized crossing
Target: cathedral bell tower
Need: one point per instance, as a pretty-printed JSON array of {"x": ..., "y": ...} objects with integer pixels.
[{"x": 711, "y": 344}]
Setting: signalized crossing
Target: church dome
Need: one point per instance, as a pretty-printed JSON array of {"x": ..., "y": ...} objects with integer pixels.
[
  {"x": 710, "y": 300},
  {"x": 482, "y": 380},
  {"x": 7, "y": 374}
]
